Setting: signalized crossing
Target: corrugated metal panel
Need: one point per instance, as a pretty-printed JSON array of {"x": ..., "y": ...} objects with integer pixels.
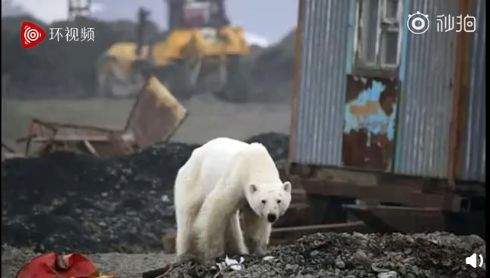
[
  {"x": 473, "y": 164},
  {"x": 422, "y": 143},
  {"x": 323, "y": 82}
]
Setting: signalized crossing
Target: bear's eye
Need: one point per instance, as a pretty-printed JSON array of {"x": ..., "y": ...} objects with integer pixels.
[
  {"x": 278, "y": 201},
  {"x": 264, "y": 201}
]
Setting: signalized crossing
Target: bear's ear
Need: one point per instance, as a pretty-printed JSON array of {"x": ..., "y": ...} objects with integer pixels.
[
  {"x": 287, "y": 186},
  {"x": 252, "y": 188}
]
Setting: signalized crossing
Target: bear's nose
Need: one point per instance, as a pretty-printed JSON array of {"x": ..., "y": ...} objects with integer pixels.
[{"x": 271, "y": 217}]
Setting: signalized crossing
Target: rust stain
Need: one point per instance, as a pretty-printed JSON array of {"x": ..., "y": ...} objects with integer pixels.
[
  {"x": 368, "y": 140},
  {"x": 371, "y": 107}
]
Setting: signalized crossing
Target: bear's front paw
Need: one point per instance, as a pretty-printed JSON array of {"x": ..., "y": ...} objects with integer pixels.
[
  {"x": 260, "y": 250},
  {"x": 208, "y": 261},
  {"x": 182, "y": 258},
  {"x": 209, "y": 258}
]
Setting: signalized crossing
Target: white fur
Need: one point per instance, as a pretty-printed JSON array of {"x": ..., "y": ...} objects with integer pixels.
[{"x": 221, "y": 179}]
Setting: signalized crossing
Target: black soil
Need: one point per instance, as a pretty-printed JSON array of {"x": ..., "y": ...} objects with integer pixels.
[{"x": 64, "y": 201}]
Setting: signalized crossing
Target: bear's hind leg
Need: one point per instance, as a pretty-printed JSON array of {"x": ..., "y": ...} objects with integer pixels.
[
  {"x": 211, "y": 222},
  {"x": 185, "y": 242},
  {"x": 235, "y": 243}
]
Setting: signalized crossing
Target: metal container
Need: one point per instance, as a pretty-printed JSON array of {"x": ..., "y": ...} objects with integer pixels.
[
  {"x": 322, "y": 84},
  {"x": 422, "y": 140},
  {"x": 473, "y": 148}
]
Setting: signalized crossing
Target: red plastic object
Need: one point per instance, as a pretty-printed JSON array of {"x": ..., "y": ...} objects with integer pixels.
[{"x": 53, "y": 265}]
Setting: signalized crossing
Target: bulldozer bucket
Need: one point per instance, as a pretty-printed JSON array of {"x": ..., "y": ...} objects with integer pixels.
[{"x": 155, "y": 116}]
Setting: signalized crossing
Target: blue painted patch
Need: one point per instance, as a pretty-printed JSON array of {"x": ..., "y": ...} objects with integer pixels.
[{"x": 377, "y": 122}]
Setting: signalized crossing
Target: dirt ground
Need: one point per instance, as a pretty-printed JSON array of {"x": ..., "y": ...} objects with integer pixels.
[
  {"x": 124, "y": 265},
  {"x": 316, "y": 255},
  {"x": 130, "y": 265},
  {"x": 208, "y": 117}
]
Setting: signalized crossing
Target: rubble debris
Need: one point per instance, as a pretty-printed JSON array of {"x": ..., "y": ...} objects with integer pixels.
[
  {"x": 8, "y": 152},
  {"x": 67, "y": 201},
  {"x": 155, "y": 116},
  {"x": 437, "y": 254}
]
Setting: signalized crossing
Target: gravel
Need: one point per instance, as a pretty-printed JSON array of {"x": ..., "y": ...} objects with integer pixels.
[
  {"x": 123, "y": 265},
  {"x": 13, "y": 259},
  {"x": 437, "y": 254}
]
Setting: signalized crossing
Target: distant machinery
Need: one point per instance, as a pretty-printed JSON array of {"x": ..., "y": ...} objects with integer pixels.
[{"x": 200, "y": 52}]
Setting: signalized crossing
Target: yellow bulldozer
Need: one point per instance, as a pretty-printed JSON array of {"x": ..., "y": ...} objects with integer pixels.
[{"x": 200, "y": 53}]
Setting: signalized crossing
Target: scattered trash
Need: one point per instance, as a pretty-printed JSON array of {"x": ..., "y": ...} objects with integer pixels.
[
  {"x": 389, "y": 274},
  {"x": 165, "y": 198},
  {"x": 267, "y": 258},
  {"x": 234, "y": 264}
]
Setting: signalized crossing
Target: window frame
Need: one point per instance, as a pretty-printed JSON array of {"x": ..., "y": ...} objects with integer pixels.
[{"x": 384, "y": 25}]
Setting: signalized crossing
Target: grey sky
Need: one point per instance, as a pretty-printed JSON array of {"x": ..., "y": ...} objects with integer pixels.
[{"x": 271, "y": 19}]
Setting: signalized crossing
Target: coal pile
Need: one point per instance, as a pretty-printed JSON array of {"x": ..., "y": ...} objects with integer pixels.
[
  {"x": 272, "y": 72},
  {"x": 65, "y": 201},
  {"x": 356, "y": 255},
  {"x": 264, "y": 75},
  {"x": 276, "y": 144}
]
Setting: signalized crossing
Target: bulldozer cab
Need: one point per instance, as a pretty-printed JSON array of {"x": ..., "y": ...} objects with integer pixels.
[{"x": 194, "y": 14}]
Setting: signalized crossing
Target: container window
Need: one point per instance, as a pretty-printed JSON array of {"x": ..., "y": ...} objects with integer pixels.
[{"x": 378, "y": 34}]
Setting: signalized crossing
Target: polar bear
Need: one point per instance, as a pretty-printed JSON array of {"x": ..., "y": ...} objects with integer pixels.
[{"x": 221, "y": 180}]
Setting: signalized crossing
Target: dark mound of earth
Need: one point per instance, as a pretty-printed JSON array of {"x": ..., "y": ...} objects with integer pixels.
[
  {"x": 65, "y": 201},
  {"x": 355, "y": 255}
]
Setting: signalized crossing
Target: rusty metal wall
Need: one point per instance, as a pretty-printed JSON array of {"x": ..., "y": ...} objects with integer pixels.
[
  {"x": 322, "y": 82},
  {"x": 425, "y": 106},
  {"x": 473, "y": 151},
  {"x": 369, "y": 126}
]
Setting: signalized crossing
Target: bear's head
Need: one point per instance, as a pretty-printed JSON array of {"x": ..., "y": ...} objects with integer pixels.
[{"x": 269, "y": 201}]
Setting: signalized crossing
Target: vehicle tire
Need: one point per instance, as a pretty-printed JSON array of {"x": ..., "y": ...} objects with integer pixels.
[
  {"x": 179, "y": 78},
  {"x": 236, "y": 87}
]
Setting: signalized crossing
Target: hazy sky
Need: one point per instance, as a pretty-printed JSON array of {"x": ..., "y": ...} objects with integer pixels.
[{"x": 271, "y": 19}]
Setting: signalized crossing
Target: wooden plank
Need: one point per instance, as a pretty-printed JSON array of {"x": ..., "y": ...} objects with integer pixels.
[
  {"x": 460, "y": 97},
  {"x": 399, "y": 219},
  {"x": 74, "y": 137},
  {"x": 384, "y": 193},
  {"x": 290, "y": 232},
  {"x": 90, "y": 148},
  {"x": 55, "y": 126}
]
